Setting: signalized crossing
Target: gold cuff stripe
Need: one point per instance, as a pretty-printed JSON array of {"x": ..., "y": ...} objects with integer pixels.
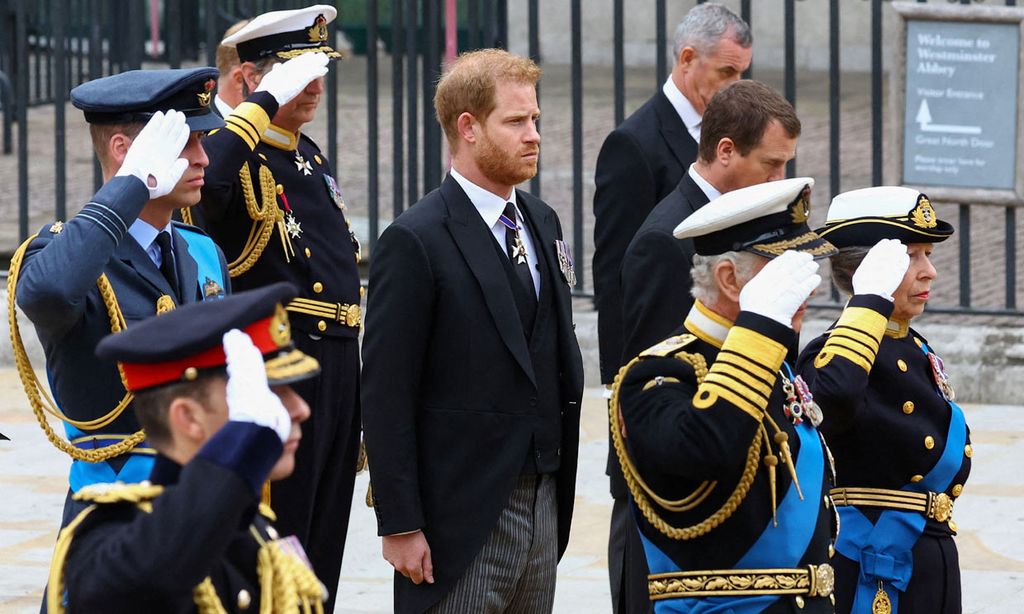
[
  {"x": 870, "y": 343},
  {"x": 742, "y": 362},
  {"x": 736, "y": 373},
  {"x": 242, "y": 132},
  {"x": 865, "y": 319},
  {"x": 709, "y": 393},
  {"x": 853, "y": 344},
  {"x": 738, "y": 386},
  {"x": 254, "y": 115},
  {"x": 852, "y": 354},
  {"x": 761, "y": 350}
]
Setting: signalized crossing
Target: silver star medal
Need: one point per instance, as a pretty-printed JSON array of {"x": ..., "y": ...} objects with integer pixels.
[
  {"x": 519, "y": 250},
  {"x": 303, "y": 164},
  {"x": 292, "y": 225}
]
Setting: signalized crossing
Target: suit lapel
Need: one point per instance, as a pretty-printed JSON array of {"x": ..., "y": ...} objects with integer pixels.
[
  {"x": 693, "y": 197},
  {"x": 475, "y": 242},
  {"x": 674, "y": 131},
  {"x": 131, "y": 253},
  {"x": 188, "y": 270}
]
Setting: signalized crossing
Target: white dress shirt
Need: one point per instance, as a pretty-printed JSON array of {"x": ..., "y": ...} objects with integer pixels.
[
  {"x": 691, "y": 118},
  {"x": 709, "y": 190},
  {"x": 490, "y": 206},
  {"x": 224, "y": 108}
]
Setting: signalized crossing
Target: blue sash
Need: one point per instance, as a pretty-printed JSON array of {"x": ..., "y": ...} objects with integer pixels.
[
  {"x": 783, "y": 546},
  {"x": 884, "y": 550},
  {"x": 204, "y": 251}
]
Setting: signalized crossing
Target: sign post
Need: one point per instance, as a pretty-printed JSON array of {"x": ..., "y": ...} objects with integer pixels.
[{"x": 956, "y": 99}]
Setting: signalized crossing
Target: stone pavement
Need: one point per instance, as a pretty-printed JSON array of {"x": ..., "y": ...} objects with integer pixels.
[{"x": 991, "y": 542}]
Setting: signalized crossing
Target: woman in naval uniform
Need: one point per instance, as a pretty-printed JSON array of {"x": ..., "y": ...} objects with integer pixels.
[{"x": 902, "y": 450}]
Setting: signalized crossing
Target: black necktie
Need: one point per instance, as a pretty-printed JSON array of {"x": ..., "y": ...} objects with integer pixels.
[
  {"x": 516, "y": 250},
  {"x": 167, "y": 262}
]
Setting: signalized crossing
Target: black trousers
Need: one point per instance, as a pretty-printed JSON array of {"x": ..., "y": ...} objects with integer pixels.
[
  {"x": 314, "y": 503},
  {"x": 627, "y": 563}
]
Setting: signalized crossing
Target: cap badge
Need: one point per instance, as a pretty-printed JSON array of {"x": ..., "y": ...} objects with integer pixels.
[
  {"x": 800, "y": 210},
  {"x": 207, "y": 93},
  {"x": 318, "y": 33},
  {"x": 280, "y": 328},
  {"x": 923, "y": 215}
]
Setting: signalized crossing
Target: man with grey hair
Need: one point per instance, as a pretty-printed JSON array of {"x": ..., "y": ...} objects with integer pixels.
[{"x": 641, "y": 161}]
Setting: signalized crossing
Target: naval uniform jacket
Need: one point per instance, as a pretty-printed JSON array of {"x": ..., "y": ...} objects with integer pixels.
[
  {"x": 457, "y": 400},
  {"x": 656, "y": 271},
  {"x": 640, "y": 162},
  {"x": 321, "y": 260},
  {"x": 682, "y": 435},
  {"x": 205, "y": 523},
  {"x": 57, "y": 290},
  {"x": 886, "y": 424}
]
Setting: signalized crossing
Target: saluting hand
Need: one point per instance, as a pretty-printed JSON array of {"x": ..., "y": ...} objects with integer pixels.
[
  {"x": 882, "y": 269},
  {"x": 250, "y": 398},
  {"x": 409, "y": 554},
  {"x": 781, "y": 287},
  {"x": 285, "y": 81},
  {"x": 154, "y": 155}
]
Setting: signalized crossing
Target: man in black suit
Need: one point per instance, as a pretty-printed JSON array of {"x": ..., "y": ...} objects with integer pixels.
[
  {"x": 640, "y": 162},
  {"x": 750, "y": 133},
  {"x": 472, "y": 376}
]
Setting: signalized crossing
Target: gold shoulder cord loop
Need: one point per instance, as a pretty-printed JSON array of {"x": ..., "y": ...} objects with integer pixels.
[
  {"x": 642, "y": 493},
  {"x": 41, "y": 401},
  {"x": 264, "y": 218}
]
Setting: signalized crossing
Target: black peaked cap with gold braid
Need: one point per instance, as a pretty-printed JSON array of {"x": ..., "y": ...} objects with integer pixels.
[
  {"x": 766, "y": 219},
  {"x": 186, "y": 343},
  {"x": 864, "y": 217}
]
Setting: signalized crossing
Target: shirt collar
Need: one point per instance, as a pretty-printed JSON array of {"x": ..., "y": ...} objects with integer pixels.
[
  {"x": 488, "y": 204},
  {"x": 144, "y": 233},
  {"x": 709, "y": 190},
  {"x": 707, "y": 325},
  {"x": 691, "y": 118},
  {"x": 224, "y": 108}
]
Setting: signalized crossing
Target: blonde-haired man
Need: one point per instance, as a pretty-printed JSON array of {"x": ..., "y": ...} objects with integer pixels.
[
  {"x": 229, "y": 84},
  {"x": 472, "y": 375}
]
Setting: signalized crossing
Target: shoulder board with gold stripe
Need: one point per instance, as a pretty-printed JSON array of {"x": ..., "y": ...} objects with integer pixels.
[{"x": 669, "y": 346}]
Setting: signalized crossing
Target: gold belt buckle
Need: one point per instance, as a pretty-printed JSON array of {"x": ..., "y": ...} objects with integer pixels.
[
  {"x": 823, "y": 580},
  {"x": 940, "y": 506},
  {"x": 349, "y": 315}
]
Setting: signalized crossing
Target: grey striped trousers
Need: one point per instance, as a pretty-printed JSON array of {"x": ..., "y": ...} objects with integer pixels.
[{"x": 515, "y": 570}]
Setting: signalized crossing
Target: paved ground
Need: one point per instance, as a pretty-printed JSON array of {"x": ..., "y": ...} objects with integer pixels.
[{"x": 32, "y": 483}]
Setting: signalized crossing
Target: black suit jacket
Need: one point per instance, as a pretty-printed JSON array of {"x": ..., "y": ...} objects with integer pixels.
[
  {"x": 640, "y": 162},
  {"x": 448, "y": 382},
  {"x": 656, "y": 272}
]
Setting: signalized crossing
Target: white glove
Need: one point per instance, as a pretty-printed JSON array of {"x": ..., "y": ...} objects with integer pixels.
[
  {"x": 154, "y": 154},
  {"x": 882, "y": 269},
  {"x": 285, "y": 81},
  {"x": 249, "y": 397},
  {"x": 781, "y": 287}
]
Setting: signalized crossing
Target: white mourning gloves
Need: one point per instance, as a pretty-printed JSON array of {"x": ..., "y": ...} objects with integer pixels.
[
  {"x": 284, "y": 81},
  {"x": 882, "y": 269},
  {"x": 781, "y": 287},
  {"x": 154, "y": 155},
  {"x": 249, "y": 396}
]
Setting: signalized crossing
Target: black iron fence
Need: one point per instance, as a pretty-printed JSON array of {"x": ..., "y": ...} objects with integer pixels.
[{"x": 49, "y": 46}]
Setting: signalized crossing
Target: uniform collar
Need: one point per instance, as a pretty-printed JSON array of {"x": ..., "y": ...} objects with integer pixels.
[
  {"x": 280, "y": 138},
  {"x": 897, "y": 329},
  {"x": 489, "y": 205},
  {"x": 165, "y": 471},
  {"x": 705, "y": 186},
  {"x": 707, "y": 325}
]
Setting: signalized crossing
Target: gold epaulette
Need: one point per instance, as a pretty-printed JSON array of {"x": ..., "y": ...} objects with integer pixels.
[{"x": 118, "y": 492}]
